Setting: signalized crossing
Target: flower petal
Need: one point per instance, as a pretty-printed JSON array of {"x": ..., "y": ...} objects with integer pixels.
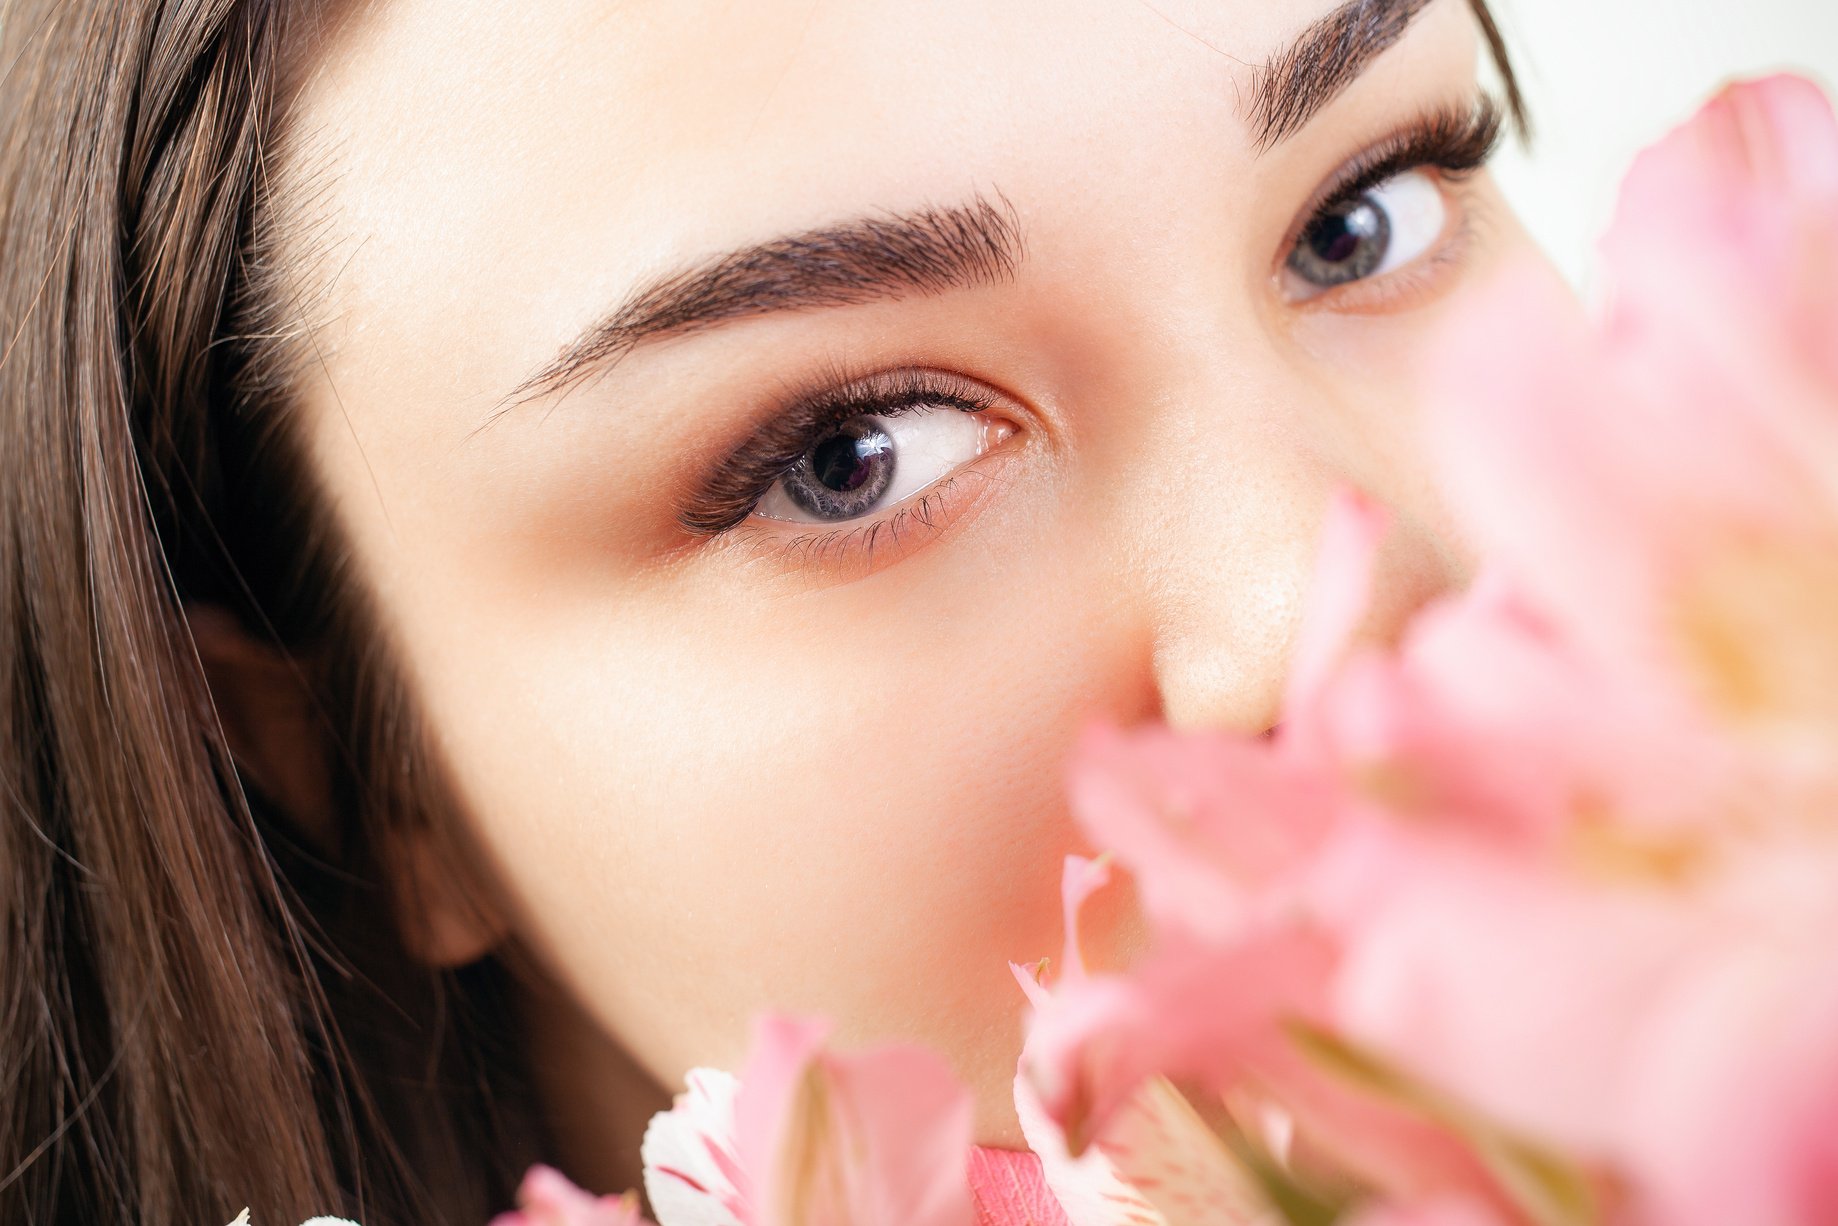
[
  {"x": 547, "y": 1198},
  {"x": 1010, "y": 1188},
  {"x": 1337, "y": 603},
  {"x": 1193, "y": 1011},
  {"x": 1204, "y": 821},
  {"x": 692, "y": 1175},
  {"x": 877, "y": 1138}
]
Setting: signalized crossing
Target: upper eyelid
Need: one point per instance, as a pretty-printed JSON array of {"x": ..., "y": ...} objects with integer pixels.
[
  {"x": 1482, "y": 124},
  {"x": 748, "y": 471}
]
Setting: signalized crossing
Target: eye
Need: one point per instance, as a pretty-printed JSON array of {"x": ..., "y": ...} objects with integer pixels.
[
  {"x": 877, "y": 460},
  {"x": 1383, "y": 228}
]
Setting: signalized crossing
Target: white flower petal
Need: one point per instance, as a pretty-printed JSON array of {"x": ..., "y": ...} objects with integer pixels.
[{"x": 685, "y": 1183}]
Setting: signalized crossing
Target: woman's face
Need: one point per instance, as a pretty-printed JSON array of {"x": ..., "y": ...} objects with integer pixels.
[{"x": 744, "y": 721}]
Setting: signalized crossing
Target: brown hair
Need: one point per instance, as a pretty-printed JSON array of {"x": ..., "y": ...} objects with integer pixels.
[{"x": 175, "y": 949}]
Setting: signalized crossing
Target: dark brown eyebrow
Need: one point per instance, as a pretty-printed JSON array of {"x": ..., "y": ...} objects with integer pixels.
[
  {"x": 1293, "y": 86},
  {"x": 927, "y": 251}
]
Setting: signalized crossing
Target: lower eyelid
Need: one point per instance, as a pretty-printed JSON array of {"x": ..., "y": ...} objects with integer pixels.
[
  {"x": 1416, "y": 281},
  {"x": 872, "y": 544}
]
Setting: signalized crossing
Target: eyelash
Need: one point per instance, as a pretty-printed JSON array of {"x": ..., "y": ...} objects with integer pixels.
[
  {"x": 743, "y": 480},
  {"x": 1454, "y": 141},
  {"x": 838, "y": 544}
]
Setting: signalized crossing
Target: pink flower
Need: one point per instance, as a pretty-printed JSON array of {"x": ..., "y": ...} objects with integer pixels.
[
  {"x": 1152, "y": 1160},
  {"x": 1010, "y": 1189},
  {"x": 1438, "y": 1213},
  {"x": 1157, "y": 1163},
  {"x": 810, "y": 1137},
  {"x": 1531, "y": 917},
  {"x": 1126, "y": 1146},
  {"x": 1732, "y": 1094},
  {"x": 548, "y": 1199},
  {"x": 1664, "y": 487}
]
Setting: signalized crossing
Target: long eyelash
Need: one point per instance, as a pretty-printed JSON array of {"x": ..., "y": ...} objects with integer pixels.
[
  {"x": 744, "y": 478},
  {"x": 1455, "y": 140}
]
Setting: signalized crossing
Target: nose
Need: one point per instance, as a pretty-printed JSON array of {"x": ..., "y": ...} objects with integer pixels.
[{"x": 1226, "y": 517}]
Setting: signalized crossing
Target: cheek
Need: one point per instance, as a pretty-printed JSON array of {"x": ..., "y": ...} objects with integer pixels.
[{"x": 847, "y": 801}]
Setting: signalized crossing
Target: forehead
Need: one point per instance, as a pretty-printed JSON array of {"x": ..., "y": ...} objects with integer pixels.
[
  {"x": 549, "y": 154},
  {"x": 705, "y": 85}
]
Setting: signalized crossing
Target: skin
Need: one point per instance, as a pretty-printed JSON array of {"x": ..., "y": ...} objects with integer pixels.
[{"x": 707, "y": 778}]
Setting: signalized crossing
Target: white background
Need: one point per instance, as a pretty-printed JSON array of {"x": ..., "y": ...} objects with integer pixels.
[{"x": 1606, "y": 77}]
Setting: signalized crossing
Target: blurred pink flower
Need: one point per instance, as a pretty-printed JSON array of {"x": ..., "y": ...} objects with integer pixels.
[
  {"x": 1010, "y": 1188},
  {"x": 1154, "y": 1161},
  {"x": 1531, "y": 916},
  {"x": 1438, "y": 1213},
  {"x": 1658, "y": 993},
  {"x": 809, "y": 1137},
  {"x": 547, "y": 1198},
  {"x": 1664, "y": 486}
]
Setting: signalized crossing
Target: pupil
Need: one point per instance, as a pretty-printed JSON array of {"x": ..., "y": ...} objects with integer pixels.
[
  {"x": 1344, "y": 243},
  {"x": 1337, "y": 237},
  {"x": 845, "y": 462},
  {"x": 839, "y": 463}
]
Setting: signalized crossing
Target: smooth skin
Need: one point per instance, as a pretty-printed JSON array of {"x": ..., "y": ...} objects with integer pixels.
[{"x": 714, "y": 776}]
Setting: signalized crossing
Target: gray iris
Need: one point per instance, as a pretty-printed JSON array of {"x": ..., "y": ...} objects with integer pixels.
[
  {"x": 1345, "y": 243},
  {"x": 845, "y": 473}
]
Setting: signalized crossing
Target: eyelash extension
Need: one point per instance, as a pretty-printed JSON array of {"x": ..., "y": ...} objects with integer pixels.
[
  {"x": 745, "y": 477},
  {"x": 1454, "y": 140}
]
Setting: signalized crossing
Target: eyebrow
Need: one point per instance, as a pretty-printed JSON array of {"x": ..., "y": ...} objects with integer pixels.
[
  {"x": 879, "y": 258},
  {"x": 1294, "y": 85}
]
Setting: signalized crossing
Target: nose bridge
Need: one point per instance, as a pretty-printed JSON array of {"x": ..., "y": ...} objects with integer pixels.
[{"x": 1227, "y": 485}]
